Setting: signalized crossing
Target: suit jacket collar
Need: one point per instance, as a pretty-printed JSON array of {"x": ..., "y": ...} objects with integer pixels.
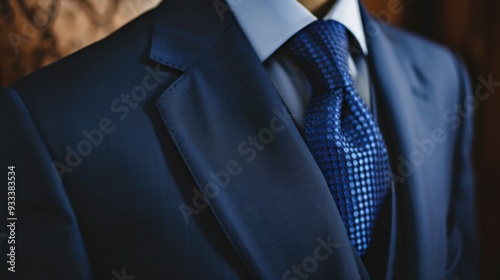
[{"x": 186, "y": 30}]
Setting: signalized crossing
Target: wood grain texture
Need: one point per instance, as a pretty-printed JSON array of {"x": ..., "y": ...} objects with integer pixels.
[{"x": 34, "y": 33}]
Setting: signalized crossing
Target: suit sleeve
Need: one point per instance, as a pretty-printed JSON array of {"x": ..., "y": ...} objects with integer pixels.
[
  {"x": 45, "y": 238},
  {"x": 462, "y": 218}
]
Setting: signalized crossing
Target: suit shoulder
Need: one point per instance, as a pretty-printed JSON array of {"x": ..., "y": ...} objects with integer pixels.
[
  {"x": 95, "y": 64},
  {"x": 413, "y": 41},
  {"x": 421, "y": 51},
  {"x": 431, "y": 62}
]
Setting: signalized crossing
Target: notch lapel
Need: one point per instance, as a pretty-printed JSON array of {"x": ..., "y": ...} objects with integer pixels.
[
  {"x": 402, "y": 124},
  {"x": 248, "y": 158}
]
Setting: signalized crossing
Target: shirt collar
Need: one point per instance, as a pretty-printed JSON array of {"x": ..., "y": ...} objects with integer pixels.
[{"x": 268, "y": 24}]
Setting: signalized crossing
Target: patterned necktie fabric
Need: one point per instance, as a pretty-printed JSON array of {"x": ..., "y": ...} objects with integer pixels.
[{"x": 340, "y": 130}]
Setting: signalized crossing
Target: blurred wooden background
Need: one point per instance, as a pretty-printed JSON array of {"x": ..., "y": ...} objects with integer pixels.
[{"x": 34, "y": 33}]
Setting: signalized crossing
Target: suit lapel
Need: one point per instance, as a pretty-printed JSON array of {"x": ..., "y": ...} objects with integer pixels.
[
  {"x": 402, "y": 123},
  {"x": 247, "y": 156}
]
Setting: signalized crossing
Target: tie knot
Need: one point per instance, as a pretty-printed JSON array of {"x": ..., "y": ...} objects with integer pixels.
[{"x": 321, "y": 50}]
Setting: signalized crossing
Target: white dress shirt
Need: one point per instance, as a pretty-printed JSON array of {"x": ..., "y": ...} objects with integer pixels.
[{"x": 268, "y": 24}]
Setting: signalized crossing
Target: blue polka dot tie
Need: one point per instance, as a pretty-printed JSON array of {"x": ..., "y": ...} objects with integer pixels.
[{"x": 340, "y": 130}]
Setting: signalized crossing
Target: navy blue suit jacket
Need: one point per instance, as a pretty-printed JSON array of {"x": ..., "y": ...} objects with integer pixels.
[{"x": 118, "y": 148}]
